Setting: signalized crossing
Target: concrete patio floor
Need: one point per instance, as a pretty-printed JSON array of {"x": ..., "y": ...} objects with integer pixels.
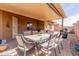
[{"x": 66, "y": 51}]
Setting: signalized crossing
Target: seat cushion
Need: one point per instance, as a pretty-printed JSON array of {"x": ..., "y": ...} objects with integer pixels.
[
  {"x": 26, "y": 47},
  {"x": 29, "y": 46}
]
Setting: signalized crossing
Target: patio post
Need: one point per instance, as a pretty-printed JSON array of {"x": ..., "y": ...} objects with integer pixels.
[{"x": 62, "y": 23}]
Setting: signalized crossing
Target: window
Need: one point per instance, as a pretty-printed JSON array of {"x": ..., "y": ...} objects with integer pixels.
[{"x": 29, "y": 25}]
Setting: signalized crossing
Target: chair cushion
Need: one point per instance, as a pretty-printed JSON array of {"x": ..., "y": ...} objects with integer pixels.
[
  {"x": 26, "y": 47},
  {"x": 45, "y": 44},
  {"x": 29, "y": 46}
]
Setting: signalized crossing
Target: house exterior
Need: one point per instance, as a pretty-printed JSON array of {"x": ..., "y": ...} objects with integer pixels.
[
  {"x": 14, "y": 17},
  {"x": 76, "y": 29}
]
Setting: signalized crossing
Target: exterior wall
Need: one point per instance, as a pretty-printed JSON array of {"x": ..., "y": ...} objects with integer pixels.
[
  {"x": 22, "y": 23},
  {"x": 1, "y": 25},
  {"x": 40, "y": 25},
  {"x": 76, "y": 29},
  {"x": 45, "y": 25},
  {"x": 6, "y": 24},
  {"x": 55, "y": 27}
]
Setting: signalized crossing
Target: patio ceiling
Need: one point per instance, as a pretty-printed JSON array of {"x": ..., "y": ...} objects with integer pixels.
[{"x": 40, "y": 11}]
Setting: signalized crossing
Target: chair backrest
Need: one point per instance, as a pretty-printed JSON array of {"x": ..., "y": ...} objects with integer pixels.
[
  {"x": 56, "y": 39},
  {"x": 19, "y": 40},
  {"x": 52, "y": 39},
  {"x": 49, "y": 40}
]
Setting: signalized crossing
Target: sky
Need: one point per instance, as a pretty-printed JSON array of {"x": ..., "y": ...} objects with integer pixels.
[
  {"x": 70, "y": 8},
  {"x": 72, "y": 12}
]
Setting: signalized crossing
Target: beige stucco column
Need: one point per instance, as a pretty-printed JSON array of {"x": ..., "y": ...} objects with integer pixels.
[
  {"x": 45, "y": 25},
  {"x": 77, "y": 29},
  {"x": 52, "y": 27},
  {"x": 14, "y": 26},
  {"x": 1, "y": 26}
]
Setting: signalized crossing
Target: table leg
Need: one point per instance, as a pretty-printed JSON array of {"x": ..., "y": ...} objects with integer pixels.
[
  {"x": 61, "y": 45},
  {"x": 55, "y": 52},
  {"x": 59, "y": 49},
  {"x": 36, "y": 49},
  {"x": 24, "y": 53}
]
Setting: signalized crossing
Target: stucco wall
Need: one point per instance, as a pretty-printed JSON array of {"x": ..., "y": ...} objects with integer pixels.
[
  {"x": 76, "y": 29},
  {"x": 6, "y": 24},
  {"x": 22, "y": 23},
  {"x": 1, "y": 25}
]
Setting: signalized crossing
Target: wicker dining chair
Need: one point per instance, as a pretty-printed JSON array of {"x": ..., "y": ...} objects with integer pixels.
[
  {"x": 21, "y": 45},
  {"x": 52, "y": 44},
  {"x": 45, "y": 45},
  {"x": 56, "y": 43}
]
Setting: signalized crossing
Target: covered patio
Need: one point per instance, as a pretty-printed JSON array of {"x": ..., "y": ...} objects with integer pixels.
[{"x": 15, "y": 19}]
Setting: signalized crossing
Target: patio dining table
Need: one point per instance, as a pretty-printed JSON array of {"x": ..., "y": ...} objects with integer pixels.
[{"x": 37, "y": 39}]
